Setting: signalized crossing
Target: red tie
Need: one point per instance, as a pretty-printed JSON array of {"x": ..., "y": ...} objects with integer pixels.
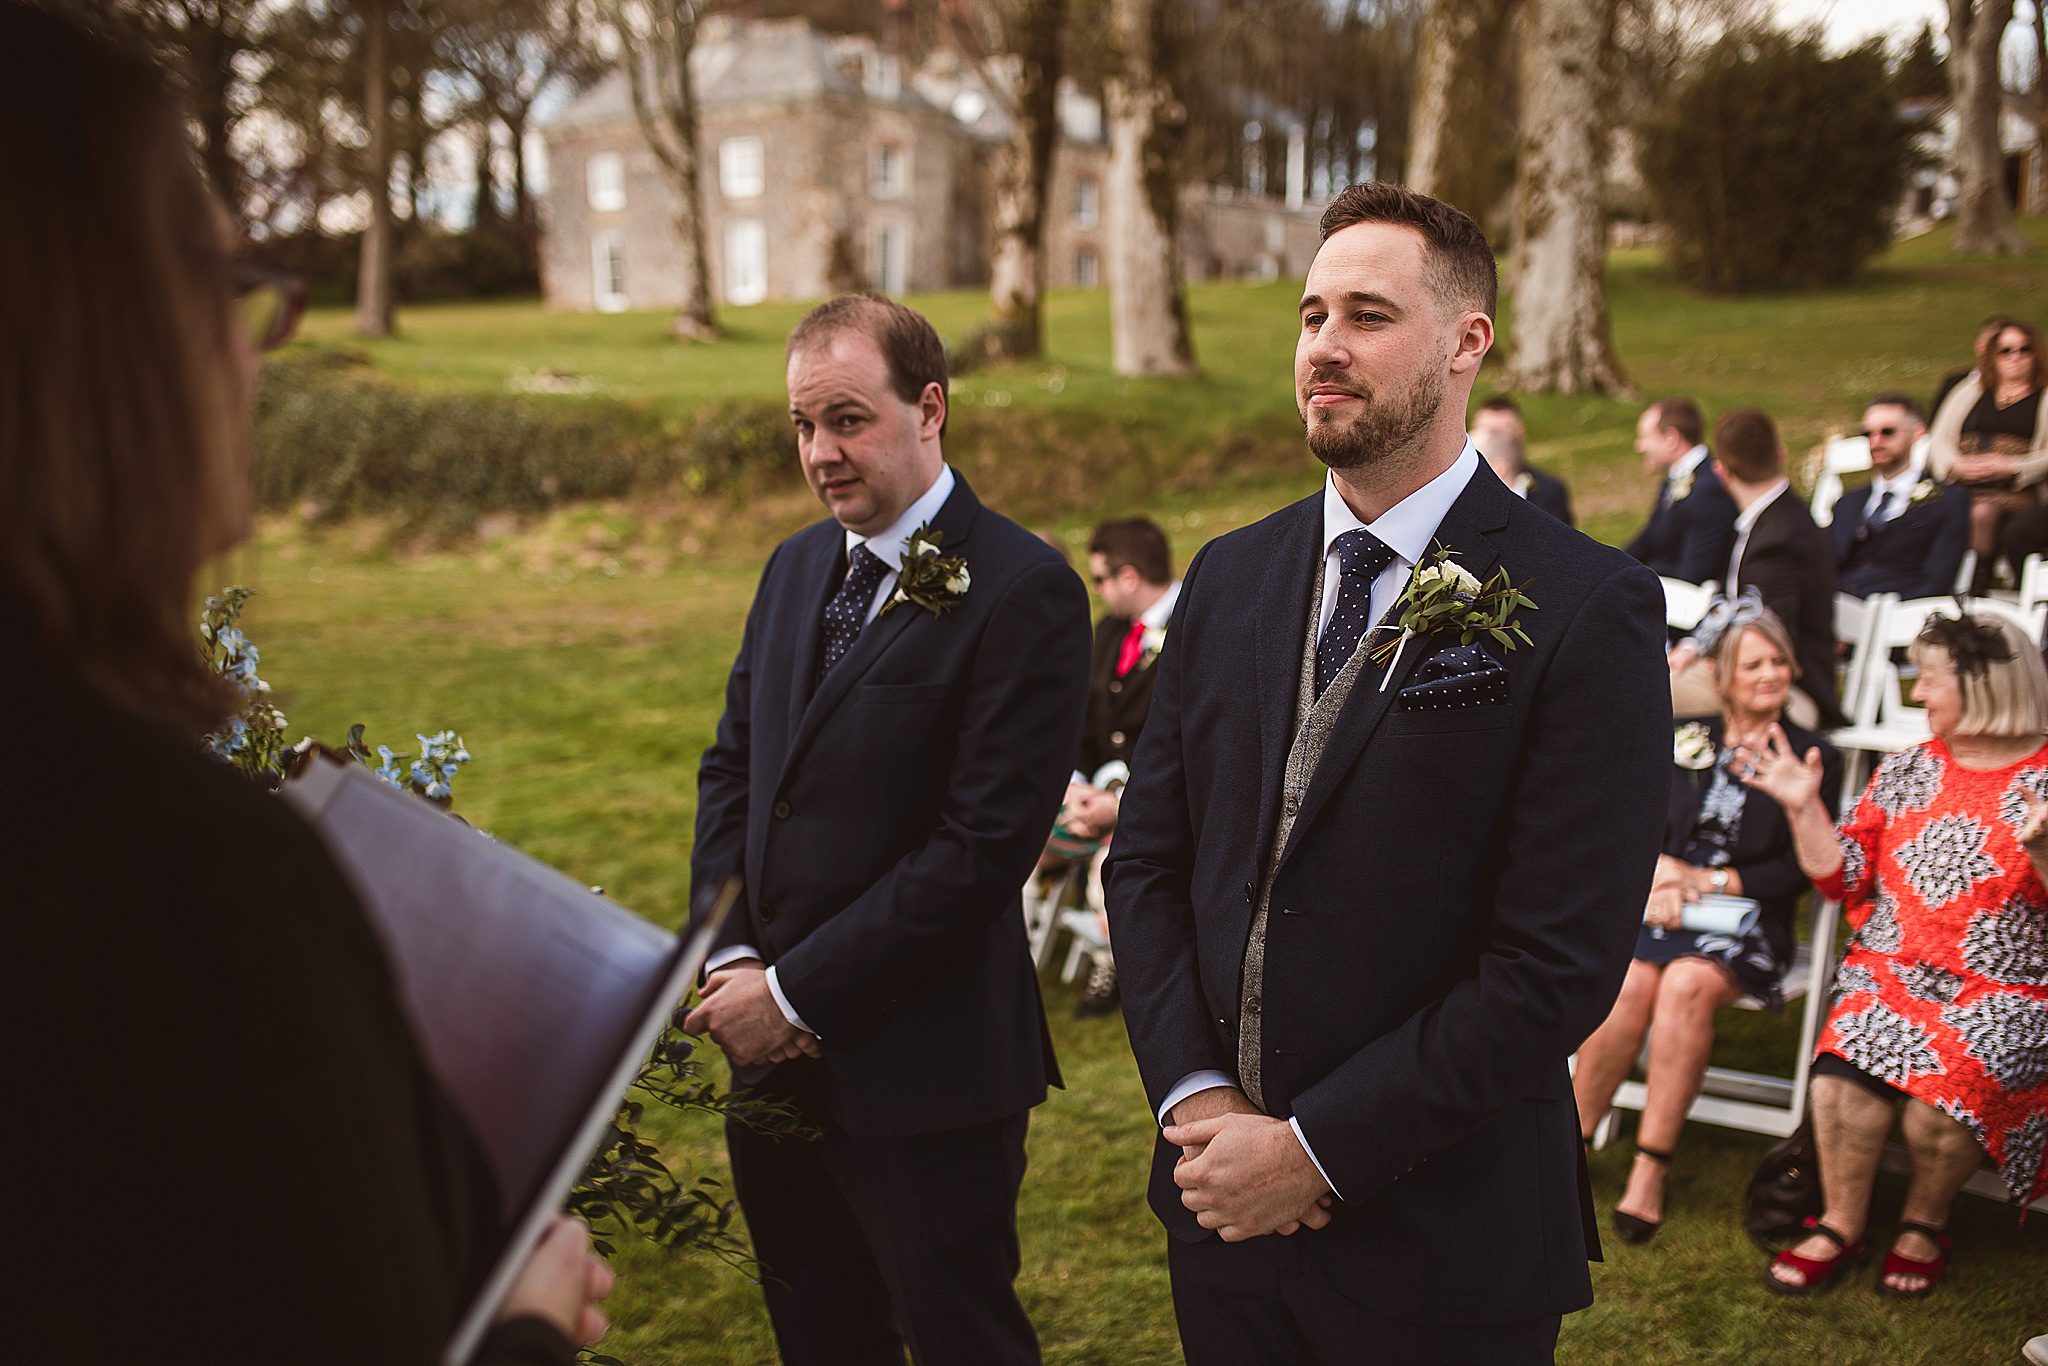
[{"x": 1134, "y": 647}]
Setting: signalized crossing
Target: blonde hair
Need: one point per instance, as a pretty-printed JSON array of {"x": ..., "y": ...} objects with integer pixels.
[
  {"x": 1765, "y": 624},
  {"x": 123, "y": 426},
  {"x": 2011, "y": 698}
]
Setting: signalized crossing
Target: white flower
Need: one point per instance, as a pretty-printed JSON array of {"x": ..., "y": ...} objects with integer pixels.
[
  {"x": 925, "y": 548},
  {"x": 1154, "y": 640},
  {"x": 1446, "y": 570},
  {"x": 1692, "y": 747},
  {"x": 1681, "y": 487},
  {"x": 958, "y": 583}
]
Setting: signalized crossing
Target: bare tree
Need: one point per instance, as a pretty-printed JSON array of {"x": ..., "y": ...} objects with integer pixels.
[
  {"x": 374, "y": 306},
  {"x": 1029, "y": 32},
  {"x": 1984, "y": 219},
  {"x": 1561, "y": 341},
  {"x": 2037, "y": 199},
  {"x": 1458, "y": 82},
  {"x": 1148, "y": 312},
  {"x": 656, "y": 39}
]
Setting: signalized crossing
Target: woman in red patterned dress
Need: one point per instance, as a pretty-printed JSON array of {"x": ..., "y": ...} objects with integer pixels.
[{"x": 1942, "y": 995}]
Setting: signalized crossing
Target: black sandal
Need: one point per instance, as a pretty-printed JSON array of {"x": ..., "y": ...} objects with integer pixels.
[{"x": 1632, "y": 1228}]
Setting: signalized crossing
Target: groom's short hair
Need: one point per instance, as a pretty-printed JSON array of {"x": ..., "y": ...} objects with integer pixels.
[
  {"x": 909, "y": 345},
  {"x": 1461, "y": 269}
]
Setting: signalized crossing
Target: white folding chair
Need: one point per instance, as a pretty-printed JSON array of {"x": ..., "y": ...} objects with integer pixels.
[
  {"x": 1839, "y": 455},
  {"x": 1685, "y": 603},
  {"x": 2033, "y": 582},
  {"x": 1855, "y": 618},
  {"x": 1045, "y": 898}
]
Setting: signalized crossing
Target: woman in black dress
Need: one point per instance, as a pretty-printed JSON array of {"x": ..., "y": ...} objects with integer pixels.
[
  {"x": 221, "y": 1140},
  {"x": 1991, "y": 434},
  {"x": 1720, "y": 840}
]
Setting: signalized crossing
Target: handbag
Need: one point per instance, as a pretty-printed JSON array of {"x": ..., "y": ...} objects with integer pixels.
[{"x": 1784, "y": 1191}]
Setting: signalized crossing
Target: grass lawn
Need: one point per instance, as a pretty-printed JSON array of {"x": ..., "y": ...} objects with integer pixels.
[{"x": 583, "y": 656}]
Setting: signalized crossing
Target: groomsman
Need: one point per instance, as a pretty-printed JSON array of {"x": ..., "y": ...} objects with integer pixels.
[
  {"x": 1692, "y": 519},
  {"x": 1499, "y": 434},
  {"x": 1904, "y": 532},
  {"x": 1366, "y": 901},
  {"x": 898, "y": 727}
]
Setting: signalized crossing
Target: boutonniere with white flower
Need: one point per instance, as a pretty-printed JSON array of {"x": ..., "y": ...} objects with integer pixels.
[
  {"x": 1926, "y": 491},
  {"x": 1681, "y": 487},
  {"x": 1150, "y": 644},
  {"x": 927, "y": 578},
  {"x": 1443, "y": 595},
  {"x": 1525, "y": 483},
  {"x": 1692, "y": 747}
]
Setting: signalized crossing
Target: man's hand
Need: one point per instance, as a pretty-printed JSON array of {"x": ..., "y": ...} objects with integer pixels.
[
  {"x": 1093, "y": 815},
  {"x": 562, "y": 1282},
  {"x": 1217, "y": 1100},
  {"x": 739, "y": 1013},
  {"x": 1249, "y": 1175},
  {"x": 1681, "y": 657}
]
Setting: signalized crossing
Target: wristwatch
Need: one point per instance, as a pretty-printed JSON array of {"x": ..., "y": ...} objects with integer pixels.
[{"x": 1719, "y": 881}]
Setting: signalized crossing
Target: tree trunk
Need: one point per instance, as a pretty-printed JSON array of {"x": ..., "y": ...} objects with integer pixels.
[
  {"x": 485, "y": 215},
  {"x": 373, "y": 277},
  {"x": 210, "y": 75},
  {"x": 2037, "y": 188},
  {"x": 1457, "y": 90},
  {"x": 1148, "y": 313},
  {"x": 525, "y": 230},
  {"x": 1984, "y": 222},
  {"x": 1561, "y": 342},
  {"x": 656, "y": 57},
  {"x": 1023, "y": 169}
]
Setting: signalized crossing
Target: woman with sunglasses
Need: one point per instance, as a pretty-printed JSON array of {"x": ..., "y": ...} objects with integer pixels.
[
  {"x": 1991, "y": 435},
  {"x": 221, "y": 1140}
]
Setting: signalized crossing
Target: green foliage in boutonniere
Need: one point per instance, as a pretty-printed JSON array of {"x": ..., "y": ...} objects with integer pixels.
[
  {"x": 927, "y": 578},
  {"x": 1442, "y": 595},
  {"x": 1692, "y": 746},
  {"x": 1926, "y": 491}
]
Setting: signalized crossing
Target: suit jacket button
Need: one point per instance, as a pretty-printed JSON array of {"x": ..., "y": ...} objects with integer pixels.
[
  {"x": 1222, "y": 1023},
  {"x": 1116, "y": 737},
  {"x": 782, "y": 811},
  {"x": 1116, "y": 685},
  {"x": 767, "y": 914}
]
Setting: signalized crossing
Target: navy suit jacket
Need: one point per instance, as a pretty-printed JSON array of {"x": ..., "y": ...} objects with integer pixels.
[
  {"x": 1692, "y": 537},
  {"x": 1917, "y": 554},
  {"x": 1552, "y": 494},
  {"x": 883, "y": 827},
  {"x": 1452, "y": 916}
]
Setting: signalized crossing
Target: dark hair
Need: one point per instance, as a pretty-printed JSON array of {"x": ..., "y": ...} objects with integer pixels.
[
  {"x": 1460, "y": 264},
  {"x": 124, "y": 427},
  {"x": 1501, "y": 403},
  {"x": 911, "y": 348},
  {"x": 1987, "y": 363},
  {"x": 1898, "y": 400},
  {"x": 1137, "y": 542},
  {"x": 1683, "y": 416},
  {"x": 1746, "y": 444}
]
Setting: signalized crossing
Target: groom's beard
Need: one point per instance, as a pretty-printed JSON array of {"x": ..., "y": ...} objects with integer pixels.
[{"x": 1381, "y": 426}]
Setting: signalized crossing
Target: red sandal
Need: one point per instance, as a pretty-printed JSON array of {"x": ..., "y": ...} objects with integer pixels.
[
  {"x": 1932, "y": 1269},
  {"x": 1819, "y": 1273}
]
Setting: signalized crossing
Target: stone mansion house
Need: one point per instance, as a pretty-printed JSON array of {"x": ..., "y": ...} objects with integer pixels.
[{"x": 827, "y": 165}]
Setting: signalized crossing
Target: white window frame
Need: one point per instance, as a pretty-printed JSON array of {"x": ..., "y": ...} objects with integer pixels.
[
  {"x": 752, "y": 287},
  {"x": 1087, "y": 203},
  {"x": 605, "y": 247},
  {"x": 892, "y": 268},
  {"x": 884, "y": 158},
  {"x": 737, "y": 178},
  {"x": 604, "y": 181},
  {"x": 1087, "y": 267}
]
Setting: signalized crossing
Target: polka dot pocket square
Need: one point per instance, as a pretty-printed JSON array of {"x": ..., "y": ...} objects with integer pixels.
[{"x": 1453, "y": 679}]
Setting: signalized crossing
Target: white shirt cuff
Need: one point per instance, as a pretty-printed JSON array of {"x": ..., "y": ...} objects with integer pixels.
[
  {"x": 789, "y": 1011},
  {"x": 1302, "y": 1139},
  {"x": 726, "y": 956},
  {"x": 1188, "y": 1085}
]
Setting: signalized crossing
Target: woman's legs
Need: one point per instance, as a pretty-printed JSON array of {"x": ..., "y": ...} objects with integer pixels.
[
  {"x": 1944, "y": 1155},
  {"x": 1849, "y": 1124},
  {"x": 1605, "y": 1059},
  {"x": 1681, "y": 1041}
]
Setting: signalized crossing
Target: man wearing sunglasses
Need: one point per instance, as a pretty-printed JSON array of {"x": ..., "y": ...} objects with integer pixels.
[{"x": 1904, "y": 532}]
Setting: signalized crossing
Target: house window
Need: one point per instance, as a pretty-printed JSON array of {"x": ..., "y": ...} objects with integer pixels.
[
  {"x": 740, "y": 167},
  {"x": 888, "y": 177},
  {"x": 1087, "y": 268},
  {"x": 605, "y": 178},
  {"x": 891, "y": 259},
  {"x": 1087, "y": 203},
  {"x": 607, "y": 272},
  {"x": 882, "y": 75},
  {"x": 746, "y": 261}
]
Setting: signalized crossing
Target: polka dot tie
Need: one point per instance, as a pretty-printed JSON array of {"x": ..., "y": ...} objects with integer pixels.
[
  {"x": 848, "y": 610},
  {"x": 1360, "y": 558}
]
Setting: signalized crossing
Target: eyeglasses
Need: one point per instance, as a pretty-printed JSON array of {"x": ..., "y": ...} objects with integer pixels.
[
  {"x": 270, "y": 301},
  {"x": 1871, "y": 433},
  {"x": 2021, "y": 350}
]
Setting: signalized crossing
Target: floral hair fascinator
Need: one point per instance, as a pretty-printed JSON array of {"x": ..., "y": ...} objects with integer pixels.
[
  {"x": 1727, "y": 614},
  {"x": 1971, "y": 642}
]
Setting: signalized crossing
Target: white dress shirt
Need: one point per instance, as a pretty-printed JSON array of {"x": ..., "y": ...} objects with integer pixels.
[
  {"x": 1745, "y": 521},
  {"x": 1888, "y": 497},
  {"x": 886, "y": 545},
  {"x": 1406, "y": 528}
]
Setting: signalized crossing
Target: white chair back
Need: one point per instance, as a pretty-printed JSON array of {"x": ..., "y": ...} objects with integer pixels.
[
  {"x": 1839, "y": 456},
  {"x": 2033, "y": 582},
  {"x": 1889, "y": 709},
  {"x": 1855, "y": 620},
  {"x": 1685, "y": 603}
]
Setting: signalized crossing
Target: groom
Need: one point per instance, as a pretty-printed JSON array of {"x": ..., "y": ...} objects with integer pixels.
[
  {"x": 1365, "y": 904},
  {"x": 897, "y": 732}
]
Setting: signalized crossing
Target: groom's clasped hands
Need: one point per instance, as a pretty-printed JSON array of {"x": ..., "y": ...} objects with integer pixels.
[
  {"x": 739, "y": 1012},
  {"x": 1244, "y": 1173}
]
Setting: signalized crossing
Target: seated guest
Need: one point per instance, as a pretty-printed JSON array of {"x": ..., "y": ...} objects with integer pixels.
[
  {"x": 1719, "y": 840},
  {"x": 1940, "y": 1008},
  {"x": 1692, "y": 520},
  {"x": 1131, "y": 565},
  {"x": 1902, "y": 532},
  {"x": 1986, "y": 331},
  {"x": 1499, "y": 435},
  {"x": 1781, "y": 555},
  {"x": 1991, "y": 435},
  {"x": 221, "y": 1127}
]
